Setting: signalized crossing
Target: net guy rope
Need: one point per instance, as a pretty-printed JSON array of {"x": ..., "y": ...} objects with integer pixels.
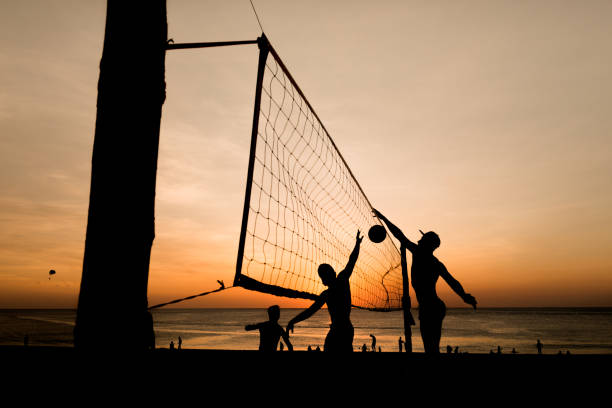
[{"x": 303, "y": 205}]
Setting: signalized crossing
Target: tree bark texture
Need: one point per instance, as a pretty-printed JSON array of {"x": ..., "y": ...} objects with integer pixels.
[{"x": 112, "y": 309}]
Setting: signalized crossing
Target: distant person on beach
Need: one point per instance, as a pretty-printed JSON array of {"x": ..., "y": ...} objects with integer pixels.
[
  {"x": 337, "y": 296},
  {"x": 373, "y": 342},
  {"x": 539, "y": 346},
  {"x": 425, "y": 271},
  {"x": 318, "y": 348},
  {"x": 364, "y": 348},
  {"x": 180, "y": 342},
  {"x": 457, "y": 350},
  {"x": 309, "y": 348},
  {"x": 499, "y": 349},
  {"x": 400, "y": 343},
  {"x": 449, "y": 349},
  {"x": 270, "y": 331},
  {"x": 171, "y": 345}
]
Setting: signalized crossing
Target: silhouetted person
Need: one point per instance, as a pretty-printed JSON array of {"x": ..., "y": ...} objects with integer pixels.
[
  {"x": 425, "y": 271},
  {"x": 400, "y": 343},
  {"x": 171, "y": 345},
  {"x": 449, "y": 349},
  {"x": 270, "y": 331},
  {"x": 364, "y": 348},
  {"x": 498, "y": 350},
  {"x": 318, "y": 348},
  {"x": 373, "y": 342},
  {"x": 457, "y": 350},
  {"x": 180, "y": 342},
  {"x": 309, "y": 348},
  {"x": 513, "y": 350},
  {"x": 379, "y": 349},
  {"x": 539, "y": 346},
  {"x": 337, "y": 296}
]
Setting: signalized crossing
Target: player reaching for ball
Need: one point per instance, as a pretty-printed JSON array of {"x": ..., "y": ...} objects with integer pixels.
[
  {"x": 337, "y": 296},
  {"x": 425, "y": 271}
]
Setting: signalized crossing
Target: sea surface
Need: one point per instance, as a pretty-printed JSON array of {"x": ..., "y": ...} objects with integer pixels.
[{"x": 578, "y": 330}]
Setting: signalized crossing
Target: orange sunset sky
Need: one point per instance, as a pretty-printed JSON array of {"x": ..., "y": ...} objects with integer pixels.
[{"x": 489, "y": 122}]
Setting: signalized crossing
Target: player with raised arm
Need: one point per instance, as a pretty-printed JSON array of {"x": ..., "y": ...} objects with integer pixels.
[
  {"x": 337, "y": 296},
  {"x": 425, "y": 271}
]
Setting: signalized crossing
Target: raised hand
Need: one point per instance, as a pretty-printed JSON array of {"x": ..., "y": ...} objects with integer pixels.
[
  {"x": 358, "y": 238},
  {"x": 290, "y": 327}
]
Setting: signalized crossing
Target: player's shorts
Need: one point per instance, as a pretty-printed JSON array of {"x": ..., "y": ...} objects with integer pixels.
[
  {"x": 432, "y": 311},
  {"x": 339, "y": 338}
]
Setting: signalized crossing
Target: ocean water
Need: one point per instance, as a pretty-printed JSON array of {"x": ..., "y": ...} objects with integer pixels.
[{"x": 578, "y": 330}]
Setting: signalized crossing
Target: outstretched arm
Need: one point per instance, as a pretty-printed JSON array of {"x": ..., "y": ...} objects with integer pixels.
[
  {"x": 348, "y": 269},
  {"x": 250, "y": 327},
  {"x": 315, "y": 307},
  {"x": 456, "y": 286},
  {"x": 397, "y": 233}
]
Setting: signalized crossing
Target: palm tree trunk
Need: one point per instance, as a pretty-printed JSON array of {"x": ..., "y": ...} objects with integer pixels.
[{"x": 112, "y": 310}]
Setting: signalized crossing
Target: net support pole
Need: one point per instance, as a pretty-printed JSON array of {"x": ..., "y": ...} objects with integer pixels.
[
  {"x": 183, "y": 46},
  {"x": 264, "y": 48},
  {"x": 408, "y": 319}
]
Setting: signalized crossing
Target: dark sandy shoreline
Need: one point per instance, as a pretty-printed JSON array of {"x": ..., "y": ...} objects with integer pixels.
[{"x": 217, "y": 365}]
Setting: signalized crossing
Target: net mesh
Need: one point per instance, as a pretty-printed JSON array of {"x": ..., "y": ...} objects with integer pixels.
[{"x": 305, "y": 206}]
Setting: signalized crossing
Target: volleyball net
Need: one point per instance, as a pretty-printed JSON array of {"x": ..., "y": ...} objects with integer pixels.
[{"x": 303, "y": 206}]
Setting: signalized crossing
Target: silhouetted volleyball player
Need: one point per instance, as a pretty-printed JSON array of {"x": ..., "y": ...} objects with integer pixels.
[
  {"x": 338, "y": 299},
  {"x": 425, "y": 271},
  {"x": 270, "y": 332}
]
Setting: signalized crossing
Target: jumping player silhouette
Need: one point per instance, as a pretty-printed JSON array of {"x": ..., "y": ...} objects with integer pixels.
[
  {"x": 337, "y": 296},
  {"x": 425, "y": 271}
]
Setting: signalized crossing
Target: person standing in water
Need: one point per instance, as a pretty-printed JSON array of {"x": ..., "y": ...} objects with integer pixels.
[{"x": 425, "y": 271}]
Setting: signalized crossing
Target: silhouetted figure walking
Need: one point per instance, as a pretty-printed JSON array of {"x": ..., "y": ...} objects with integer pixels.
[
  {"x": 373, "y": 342},
  {"x": 498, "y": 350},
  {"x": 457, "y": 350},
  {"x": 539, "y": 346},
  {"x": 425, "y": 271},
  {"x": 270, "y": 331},
  {"x": 400, "y": 343},
  {"x": 337, "y": 296},
  {"x": 309, "y": 348},
  {"x": 180, "y": 342}
]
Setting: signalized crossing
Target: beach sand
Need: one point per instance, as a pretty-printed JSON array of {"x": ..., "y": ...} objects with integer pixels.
[{"x": 211, "y": 370}]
